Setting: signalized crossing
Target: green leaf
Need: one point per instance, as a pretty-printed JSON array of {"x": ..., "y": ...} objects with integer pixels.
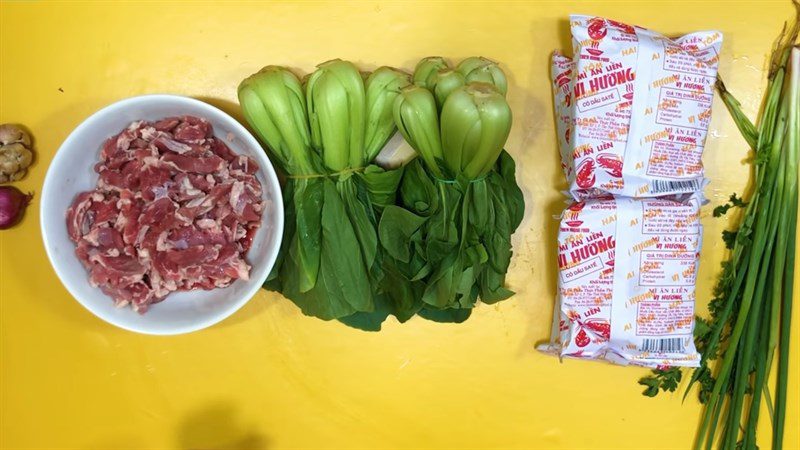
[
  {"x": 514, "y": 200},
  {"x": 445, "y": 315},
  {"x": 347, "y": 270},
  {"x": 381, "y": 185},
  {"x": 273, "y": 281},
  {"x": 444, "y": 282},
  {"x": 666, "y": 380},
  {"x": 396, "y": 228},
  {"x": 652, "y": 386},
  {"x": 729, "y": 237},
  {"x": 361, "y": 218},
  {"x": 417, "y": 190},
  {"x": 479, "y": 206},
  {"x": 492, "y": 285},
  {"x": 343, "y": 285},
  {"x": 306, "y": 246},
  {"x": 403, "y": 294},
  {"x": 733, "y": 202},
  {"x": 369, "y": 321}
]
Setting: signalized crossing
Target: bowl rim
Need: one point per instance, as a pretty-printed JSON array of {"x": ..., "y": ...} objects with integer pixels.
[{"x": 265, "y": 165}]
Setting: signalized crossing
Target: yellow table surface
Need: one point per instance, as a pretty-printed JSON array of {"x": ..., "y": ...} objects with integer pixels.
[{"x": 269, "y": 377}]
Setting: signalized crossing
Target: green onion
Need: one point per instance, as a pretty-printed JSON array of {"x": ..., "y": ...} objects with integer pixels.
[
  {"x": 751, "y": 312},
  {"x": 746, "y": 127},
  {"x": 788, "y": 229}
]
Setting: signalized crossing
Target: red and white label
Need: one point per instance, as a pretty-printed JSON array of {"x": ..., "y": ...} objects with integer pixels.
[
  {"x": 626, "y": 285},
  {"x": 639, "y": 98}
]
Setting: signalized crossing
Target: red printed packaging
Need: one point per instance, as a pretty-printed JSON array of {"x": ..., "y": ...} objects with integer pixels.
[
  {"x": 632, "y": 109},
  {"x": 626, "y": 286}
]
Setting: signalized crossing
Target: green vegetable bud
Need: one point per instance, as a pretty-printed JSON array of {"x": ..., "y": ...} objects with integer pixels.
[
  {"x": 476, "y": 120},
  {"x": 383, "y": 86},
  {"x": 336, "y": 104},
  {"x": 273, "y": 104},
  {"x": 446, "y": 82},
  {"x": 482, "y": 70},
  {"x": 425, "y": 72},
  {"x": 418, "y": 121},
  {"x": 473, "y": 62}
]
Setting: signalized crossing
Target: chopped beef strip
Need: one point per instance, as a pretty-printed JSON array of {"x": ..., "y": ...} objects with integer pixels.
[{"x": 174, "y": 210}]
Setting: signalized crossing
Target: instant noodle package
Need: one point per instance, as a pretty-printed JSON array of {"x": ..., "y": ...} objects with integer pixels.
[{"x": 632, "y": 111}]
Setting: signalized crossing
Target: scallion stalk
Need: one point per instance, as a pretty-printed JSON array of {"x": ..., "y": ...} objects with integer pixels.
[{"x": 751, "y": 312}]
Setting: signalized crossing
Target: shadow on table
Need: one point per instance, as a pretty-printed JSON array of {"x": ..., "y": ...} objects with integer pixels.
[
  {"x": 130, "y": 442},
  {"x": 218, "y": 426}
]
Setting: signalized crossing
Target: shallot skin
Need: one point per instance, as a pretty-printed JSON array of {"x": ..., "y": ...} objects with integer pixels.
[{"x": 12, "y": 206}]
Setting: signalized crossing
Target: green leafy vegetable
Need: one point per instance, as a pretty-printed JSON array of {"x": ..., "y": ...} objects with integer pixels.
[
  {"x": 665, "y": 380},
  {"x": 482, "y": 70},
  {"x": 734, "y": 202},
  {"x": 729, "y": 237},
  {"x": 450, "y": 235},
  {"x": 324, "y": 136},
  {"x": 362, "y": 242},
  {"x": 447, "y": 81},
  {"x": 426, "y": 71}
]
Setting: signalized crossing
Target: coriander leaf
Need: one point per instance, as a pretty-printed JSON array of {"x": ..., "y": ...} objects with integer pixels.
[
  {"x": 720, "y": 210},
  {"x": 652, "y": 384},
  {"x": 737, "y": 201},
  {"x": 666, "y": 380},
  {"x": 733, "y": 202},
  {"x": 729, "y": 237}
]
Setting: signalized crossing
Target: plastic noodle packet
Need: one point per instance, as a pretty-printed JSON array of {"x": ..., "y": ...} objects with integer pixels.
[
  {"x": 626, "y": 286},
  {"x": 633, "y": 109}
]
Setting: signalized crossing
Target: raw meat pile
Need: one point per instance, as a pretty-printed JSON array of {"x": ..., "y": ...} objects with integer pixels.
[{"x": 174, "y": 209}]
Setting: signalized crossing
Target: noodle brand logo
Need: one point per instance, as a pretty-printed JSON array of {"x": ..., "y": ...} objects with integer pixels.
[
  {"x": 580, "y": 250},
  {"x": 623, "y": 27},
  {"x": 597, "y": 28},
  {"x": 605, "y": 78}
]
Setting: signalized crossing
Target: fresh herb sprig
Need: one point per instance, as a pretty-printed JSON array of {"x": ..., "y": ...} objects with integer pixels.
[{"x": 750, "y": 313}]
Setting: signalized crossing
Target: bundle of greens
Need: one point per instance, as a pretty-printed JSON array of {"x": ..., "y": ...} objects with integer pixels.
[
  {"x": 751, "y": 311},
  {"x": 448, "y": 241},
  {"x": 323, "y": 134}
]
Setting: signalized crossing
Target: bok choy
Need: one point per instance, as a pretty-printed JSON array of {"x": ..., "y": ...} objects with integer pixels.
[
  {"x": 449, "y": 238},
  {"x": 323, "y": 134}
]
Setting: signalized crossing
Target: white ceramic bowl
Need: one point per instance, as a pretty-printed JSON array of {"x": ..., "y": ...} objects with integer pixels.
[{"x": 72, "y": 172}]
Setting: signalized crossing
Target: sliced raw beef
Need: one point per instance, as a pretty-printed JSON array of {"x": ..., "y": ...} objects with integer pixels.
[{"x": 174, "y": 209}]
